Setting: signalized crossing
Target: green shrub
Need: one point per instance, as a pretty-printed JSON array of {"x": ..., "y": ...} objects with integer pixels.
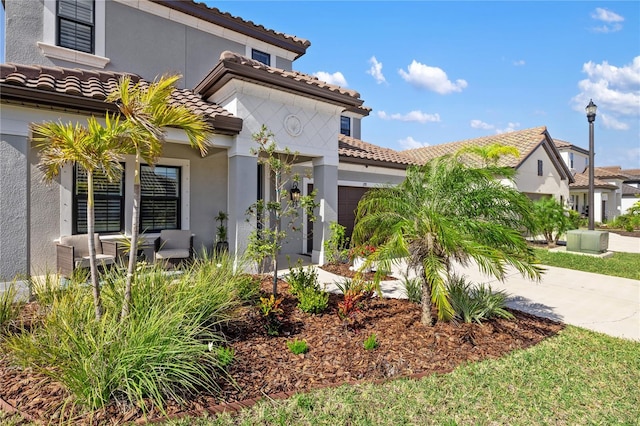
[
  {"x": 224, "y": 354},
  {"x": 9, "y": 306},
  {"x": 371, "y": 342},
  {"x": 312, "y": 301},
  {"x": 159, "y": 351},
  {"x": 551, "y": 219},
  {"x": 337, "y": 246},
  {"x": 298, "y": 346},
  {"x": 475, "y": 303},
  {"x": 413, "y": 288},
  {"x": 300, "y": 278}
]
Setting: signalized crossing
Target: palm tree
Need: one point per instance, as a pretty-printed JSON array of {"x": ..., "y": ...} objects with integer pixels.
[
  {"x": 442, "y": 212},
  {"x": 147, "y": 108},
  {"x": 95, "y": 149},
  {"x": 490, "y": 154}
]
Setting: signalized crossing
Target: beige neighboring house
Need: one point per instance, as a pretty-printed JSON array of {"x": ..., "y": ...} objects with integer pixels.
[
  {"x": 540, "y": 169},
  {"x": 615, "y": 189}
]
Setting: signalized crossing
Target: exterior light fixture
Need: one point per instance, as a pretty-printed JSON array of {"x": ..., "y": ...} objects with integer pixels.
[
  {"x": 591, "y": 117},
  {"x": 294, "y": 192}
]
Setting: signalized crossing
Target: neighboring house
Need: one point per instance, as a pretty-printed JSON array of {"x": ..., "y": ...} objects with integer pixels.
[
  {"x": 615, "y": 189},
  {"x": 63, "y": 58},
  {"x": 630, "y": 187},
  {"x": 540, "y": 170}
]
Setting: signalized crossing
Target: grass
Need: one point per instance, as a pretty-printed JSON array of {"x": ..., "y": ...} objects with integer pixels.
[
  {"x": 623, "y": 265},
  {"x": 577, "y": 377}
]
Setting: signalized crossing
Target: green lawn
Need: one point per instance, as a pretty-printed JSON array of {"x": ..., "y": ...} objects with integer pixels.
[
  {"x": 625, "y": 265},
  {"x": 577, "y": 377}
]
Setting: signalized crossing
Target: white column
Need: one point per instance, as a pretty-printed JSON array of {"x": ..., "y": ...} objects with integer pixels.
[{"x": 325, "y": 181}]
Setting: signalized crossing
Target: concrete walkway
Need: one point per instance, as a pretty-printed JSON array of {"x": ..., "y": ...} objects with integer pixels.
[{"x": 597, "y": 302}]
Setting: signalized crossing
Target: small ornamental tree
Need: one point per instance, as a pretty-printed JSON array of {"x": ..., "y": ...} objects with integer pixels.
[
  {"x": 277, "y": 216},
  {"x": 551, "y": 219}
]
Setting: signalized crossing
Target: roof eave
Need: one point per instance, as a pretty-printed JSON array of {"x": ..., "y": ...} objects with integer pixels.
[
  {"x": 225, "y": 71},
  {"x": 369, "y": 162},
  {"x": 192, "y": 9},
  {"x": 33, "y": 97}
]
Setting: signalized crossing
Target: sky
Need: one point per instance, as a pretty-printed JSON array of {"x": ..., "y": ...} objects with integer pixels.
[{"x": 437, "y": 72}]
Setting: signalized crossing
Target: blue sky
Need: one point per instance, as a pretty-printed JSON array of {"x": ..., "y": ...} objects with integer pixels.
[{"x": 437, "y": 72}]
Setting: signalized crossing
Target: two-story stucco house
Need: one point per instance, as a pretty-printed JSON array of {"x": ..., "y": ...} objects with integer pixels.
[
  {"x": 540, "y": 170},
  {"x": 64, "y": 56}
]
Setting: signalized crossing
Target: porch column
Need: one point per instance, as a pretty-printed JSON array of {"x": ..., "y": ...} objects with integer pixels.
[
  {"x": 242, "y": 192},
  {"x": 325, "y": 180},
  {"x": 14, "y": 203}
]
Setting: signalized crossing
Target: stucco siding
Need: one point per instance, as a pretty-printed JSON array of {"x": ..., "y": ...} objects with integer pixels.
[
  {"x": 23, "y": 28},
  {"x": 550, "y": 183},
  {"x": 44, "y": 218},
  {"x": 14, "y": 190}
]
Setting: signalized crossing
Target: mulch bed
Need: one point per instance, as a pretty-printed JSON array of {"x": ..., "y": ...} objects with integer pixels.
[
  {"x": 263, "y": 365},
  {"x": 344, "y": 270}
]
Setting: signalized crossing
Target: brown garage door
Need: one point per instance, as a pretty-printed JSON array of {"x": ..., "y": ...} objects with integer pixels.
[{"x": 348, "y": 198}]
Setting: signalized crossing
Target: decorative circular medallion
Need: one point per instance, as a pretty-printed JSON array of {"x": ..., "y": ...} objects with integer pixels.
[{"x": 293, "y": 125}]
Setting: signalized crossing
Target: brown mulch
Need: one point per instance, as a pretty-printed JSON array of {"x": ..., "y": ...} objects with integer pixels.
[
  {"x": 263, "y": 365},
  {"x": 343, "y": 269}
]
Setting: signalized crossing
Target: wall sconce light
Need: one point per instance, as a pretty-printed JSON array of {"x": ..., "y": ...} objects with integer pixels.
[{"x": 294, "y": 192}]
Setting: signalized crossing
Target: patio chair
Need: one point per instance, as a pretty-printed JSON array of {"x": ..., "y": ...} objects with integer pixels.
[
  {"x": 173, "y": 246},
  {"x": 73, "y": 253}
]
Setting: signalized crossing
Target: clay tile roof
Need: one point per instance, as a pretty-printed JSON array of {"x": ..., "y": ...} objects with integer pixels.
[
  {"x": 632, "y": 173},
  {"x": 607, "y": 172},
  {"x": 95, "y": 85},
  {"x": 228, "y": 56},
  {"x": 562, "y": 144},
  {"x": 582, "y": 182},
  {"x": 355, "y": 148},
  {"x": 630, "y": 190},
  {"x": 524, "y": 140},
  {"x": 226, "y": 20}
]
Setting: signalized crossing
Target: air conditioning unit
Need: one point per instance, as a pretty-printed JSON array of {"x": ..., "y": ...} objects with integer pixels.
[{"x": 583, "y": 241}]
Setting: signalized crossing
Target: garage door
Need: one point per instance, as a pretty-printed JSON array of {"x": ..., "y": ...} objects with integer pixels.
[{"x": 348, "y": 198}]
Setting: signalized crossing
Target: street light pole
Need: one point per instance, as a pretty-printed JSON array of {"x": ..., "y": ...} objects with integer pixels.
[{"x": 591, "y": 117}]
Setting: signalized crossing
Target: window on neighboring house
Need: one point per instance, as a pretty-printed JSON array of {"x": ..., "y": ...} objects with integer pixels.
[
  {"x": 259, "y": 56},
  {"x": 160, "y": 198},
  {"x": 539, "y": 167},
  {"x": 571, "y": 160},
  {"x": 108, "y": 202},
  {"x": 75, "y": 24},
  {"x": 345, "y": 126}
]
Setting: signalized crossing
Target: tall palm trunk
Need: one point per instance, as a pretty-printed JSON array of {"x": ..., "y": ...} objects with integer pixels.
[
  {"x": 133, "y": 252},
  {"x": 425, "y": 301},
  {"x": 97, "y": 301}
]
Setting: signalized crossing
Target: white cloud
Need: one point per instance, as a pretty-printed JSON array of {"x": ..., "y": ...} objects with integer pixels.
[
  {"x": 417, "y": 116},
  {"x": 431, "y": 78},
  {"x": 616, "y": 90},
  {"x": 336, "y": 78},
  {"x": 511, "y": 127},
  {"x": 519, "y": 63},
  {"x": 479, "y": 124},
  {"x": 611, "y": 123},
  {"x": 376, "y": 70},
  {"x": 411, "y": 143},
  {"x": 612, "y": 21}
]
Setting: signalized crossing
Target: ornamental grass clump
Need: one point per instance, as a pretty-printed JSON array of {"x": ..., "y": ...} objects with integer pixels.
[
  {"x": 9, "y": 307},
  {"x": 476, "y": 303},
  {"x": 371, "y": 342},
  {"x": 159, "y": 352}
]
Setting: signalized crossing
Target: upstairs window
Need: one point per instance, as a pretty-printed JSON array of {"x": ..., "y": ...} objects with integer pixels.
[
  {"x": 539, "y": 167},
  {"x": 259, "y": 56},
  {"x": 160, "y": 198},
  {"x": 75, "y": 24},
  {"x": 345, "y": 126},
  {"x": 571, "y": 160},
  {"x": 108, "y": 202}
]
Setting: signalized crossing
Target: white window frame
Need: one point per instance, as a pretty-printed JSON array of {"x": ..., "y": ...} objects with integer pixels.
[{"x": 51, "y": 50}]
